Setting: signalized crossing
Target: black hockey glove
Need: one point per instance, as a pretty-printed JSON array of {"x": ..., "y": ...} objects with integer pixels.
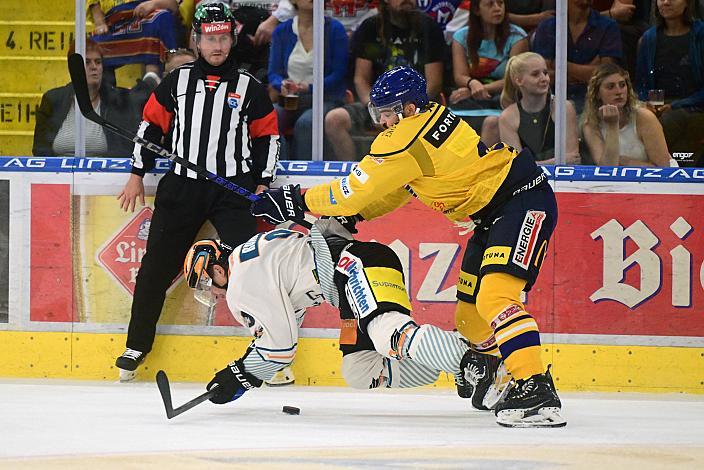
[
  {"x": 349, "y": 221},
  {"x": 232, "y": 382},
  {"x": 280, "y": 204}
]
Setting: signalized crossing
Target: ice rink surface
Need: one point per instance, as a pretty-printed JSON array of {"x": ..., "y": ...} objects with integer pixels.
[{"x": 58, "y": 424}]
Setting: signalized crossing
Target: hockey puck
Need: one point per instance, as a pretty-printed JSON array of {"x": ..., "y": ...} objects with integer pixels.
[{"x": 291, "y": 410}]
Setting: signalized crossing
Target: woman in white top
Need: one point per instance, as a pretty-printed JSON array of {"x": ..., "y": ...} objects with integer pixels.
[{"x": 616, "y": 128}]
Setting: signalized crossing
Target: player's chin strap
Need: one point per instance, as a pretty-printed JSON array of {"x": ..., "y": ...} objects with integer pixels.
[{"x": 323, "y": 257}]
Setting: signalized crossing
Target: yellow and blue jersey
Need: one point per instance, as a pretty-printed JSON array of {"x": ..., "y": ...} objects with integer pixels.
[{"x": 434, "y": 156}]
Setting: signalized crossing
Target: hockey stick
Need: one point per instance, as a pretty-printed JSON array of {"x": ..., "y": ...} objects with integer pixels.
[
  {"x": 162, "y": 381},
  {"x": 77, "y": 69}
]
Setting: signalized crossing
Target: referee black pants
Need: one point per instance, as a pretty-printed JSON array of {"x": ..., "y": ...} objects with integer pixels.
[{"x": 181, "y": 207}]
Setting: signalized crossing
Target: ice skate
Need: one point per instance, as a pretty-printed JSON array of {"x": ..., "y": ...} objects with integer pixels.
[
  {"x": 283, "y": 377},
  {"x": 479, "y": 372},
  {"x": 128, "y": 363},
  {"x": 531, "y": 403}
]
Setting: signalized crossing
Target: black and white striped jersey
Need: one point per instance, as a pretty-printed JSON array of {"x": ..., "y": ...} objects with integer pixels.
[{"x": 224, "y": 123}]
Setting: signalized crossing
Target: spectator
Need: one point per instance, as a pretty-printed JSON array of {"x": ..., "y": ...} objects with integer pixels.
[
  {"x": 351, "y": 13},
  {"x": 291, "y": 66},
  {"x": 671, "y": 58},
  {"x": 480, "y": 51},
  {"x": 592, "y": 40},
  {"x": 528, "y": 121},
  {"x": 528, "y": 14},
  {"x": 54, "y": 129},
  {"x": 633, "y": 18},
  {"x": 136, "y": 32},
  {"x": 443, "y": 11},
  {"x": 398, "y": 35},
  {"x": 254, "y": 58},
  {"x": 177, "y": 58},
  {"x": 617, "y": 129}
]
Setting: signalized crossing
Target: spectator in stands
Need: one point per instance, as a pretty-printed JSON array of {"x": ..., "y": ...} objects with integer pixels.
[
  {"x": 398, "y": 35},
  {"x": 528, "y": 121},
  {"x": 633, "y": 18},
  {"x": 291, "y": 71},
  {"x": 443, "y": 12},
  {"x": 671, "y": 58},
  {"x": 136, "y": 32},
  {"x": 617, "y": 129},
  {"x": 54, "y": 129},
  {"x": 351, "y": 13},
  {"x": 480, "y": 52},
  {"x": 592, "y": 40},
  {"x": 254, "y": 58},
  {"x": 528, "y": 14},
  {"x": 177, "y": 58}
]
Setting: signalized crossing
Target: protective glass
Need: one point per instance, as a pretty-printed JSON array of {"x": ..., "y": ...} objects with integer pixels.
[{"x": 392, "y": 109}]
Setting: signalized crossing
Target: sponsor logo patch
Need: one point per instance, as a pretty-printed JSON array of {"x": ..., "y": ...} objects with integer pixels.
[
  {"x": 505, "y": 314},
  {"x": 443, "y": 127},
  {"x": 345, "y": 187},
  {"x": 359, "y": 293},
  {"x": 215, "y": 28},
  {"x": 388, "y": 286},
  {"x": 467, "y": 283},
  {"x": 361, "y": 176},
  {"x": 496, "y": 255},
  {"x": 528, "y": 238},
  {"x": 233, "y": 100}
]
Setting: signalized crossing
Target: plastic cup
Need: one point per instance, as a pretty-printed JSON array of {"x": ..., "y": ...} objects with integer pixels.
[{"x": 656, "y": 97}]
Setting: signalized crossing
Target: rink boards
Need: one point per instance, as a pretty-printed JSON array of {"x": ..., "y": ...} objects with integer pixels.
[{"x": 620, "y": 299}]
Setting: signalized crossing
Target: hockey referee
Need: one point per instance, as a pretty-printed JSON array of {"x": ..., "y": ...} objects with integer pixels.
[{"x": 217, "y": 118}]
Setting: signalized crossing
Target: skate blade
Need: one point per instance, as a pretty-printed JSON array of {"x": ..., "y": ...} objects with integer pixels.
[
  {"x": 545, "y": 418},
  {"x": 127, "y": 375},
  {"x": 279, "y": 384},
  {"x": 499, "y": 389}
]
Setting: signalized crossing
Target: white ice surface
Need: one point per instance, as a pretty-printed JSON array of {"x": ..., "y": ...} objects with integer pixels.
[{"x": 44, "y": 417}]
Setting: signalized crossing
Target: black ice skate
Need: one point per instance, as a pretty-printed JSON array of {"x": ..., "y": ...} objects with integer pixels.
[
  {"x": 478, "y": 375},
  {"x": 128, "y": 363},
  {"x": 531, "y": 403}
]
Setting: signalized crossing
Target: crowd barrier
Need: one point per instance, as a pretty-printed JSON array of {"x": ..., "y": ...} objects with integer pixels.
[{"x": 620, "y": 299}]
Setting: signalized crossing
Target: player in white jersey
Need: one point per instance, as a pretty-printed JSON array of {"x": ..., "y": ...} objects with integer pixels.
[{"x": 269, "y": 282}]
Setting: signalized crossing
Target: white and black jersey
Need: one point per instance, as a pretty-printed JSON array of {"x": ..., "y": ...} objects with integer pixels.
[{"x": 219, "y": 118}]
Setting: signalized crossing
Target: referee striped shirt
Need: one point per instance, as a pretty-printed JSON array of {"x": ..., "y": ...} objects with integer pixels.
[{"x": 223, "y": 123}]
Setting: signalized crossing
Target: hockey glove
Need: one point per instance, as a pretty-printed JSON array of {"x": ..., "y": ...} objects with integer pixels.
[
  {"x": 280, "y": 204},
  {"x": 232, "y": 382},
  {"x": 349, "y": 221}
]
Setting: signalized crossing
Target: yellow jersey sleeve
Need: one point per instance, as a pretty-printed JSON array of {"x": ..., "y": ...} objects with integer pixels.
[{"x": 373, "y": 188}]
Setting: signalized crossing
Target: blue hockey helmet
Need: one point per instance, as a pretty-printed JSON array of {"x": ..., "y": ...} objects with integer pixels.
[{"x": 395, "y": 88}]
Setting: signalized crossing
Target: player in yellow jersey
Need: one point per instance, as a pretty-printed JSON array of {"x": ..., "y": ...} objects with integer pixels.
[{"x": 429, "y": 153}]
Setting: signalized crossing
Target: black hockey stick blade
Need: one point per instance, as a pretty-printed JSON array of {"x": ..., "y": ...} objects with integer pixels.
[
  {"x": 77, "y": 70},
  {"x": 162, "y": 381}
]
